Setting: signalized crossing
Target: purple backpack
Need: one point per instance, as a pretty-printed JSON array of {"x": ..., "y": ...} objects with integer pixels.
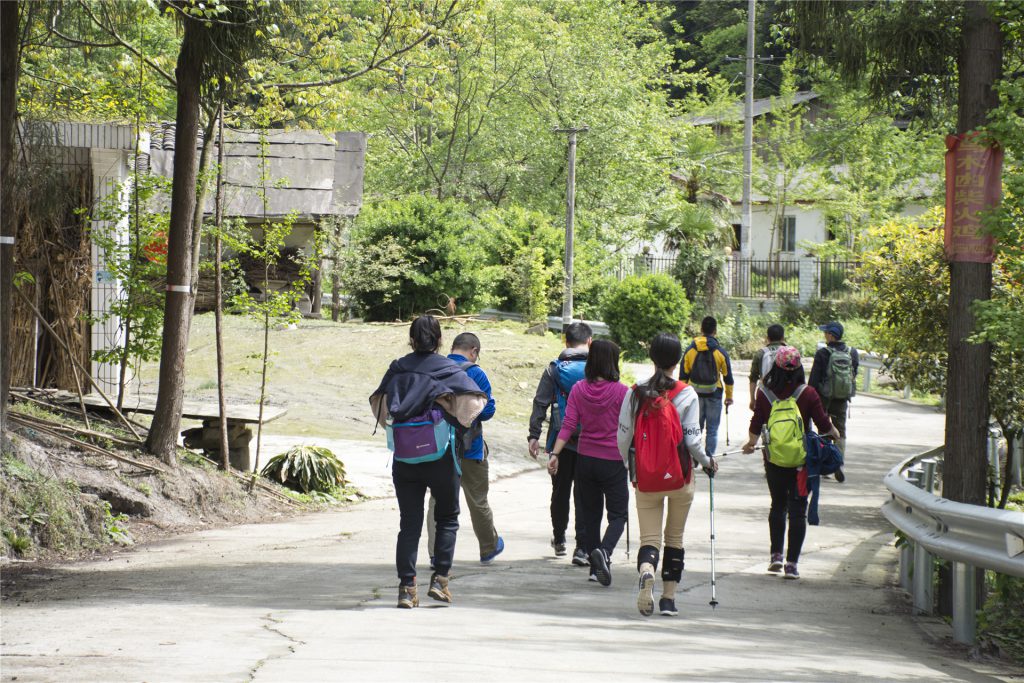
[{"x": 423, "y": 438}]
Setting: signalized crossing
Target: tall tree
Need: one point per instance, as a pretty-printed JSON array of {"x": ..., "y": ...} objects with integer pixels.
[
  {"x": 10, "y": 47},
  {"x": 921, "y": 56}
]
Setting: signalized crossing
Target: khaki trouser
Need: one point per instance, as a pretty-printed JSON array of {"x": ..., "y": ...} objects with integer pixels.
[
  {"x": 650, "y": 512},
  {"x": 475, "y": 485}
]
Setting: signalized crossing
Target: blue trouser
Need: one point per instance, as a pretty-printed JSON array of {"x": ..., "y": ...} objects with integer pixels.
[
  {"x": 710, "y": 418},
  {"x": 411, "y": 484}
]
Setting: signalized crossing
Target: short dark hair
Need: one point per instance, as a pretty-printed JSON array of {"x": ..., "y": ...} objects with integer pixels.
[
  {"x": 425, "y": 334},
  {"x": 467, "y": 341},
  {"x": 602, "y": 361},
  {"x": 709, "y": 325},
  {"x": 776, "y": 333},
  {"x": 577, "y": 333}
]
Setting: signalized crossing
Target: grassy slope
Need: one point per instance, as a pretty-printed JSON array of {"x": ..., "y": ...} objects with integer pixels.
[{"x": 324, "y": 372}]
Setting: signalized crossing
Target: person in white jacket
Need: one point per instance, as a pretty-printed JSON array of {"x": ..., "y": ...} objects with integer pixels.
[{"x": 665, "y": 351}]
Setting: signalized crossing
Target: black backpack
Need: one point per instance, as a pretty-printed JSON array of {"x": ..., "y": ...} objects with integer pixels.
[
  {"x": 465, "y": 436},
  {"x": 704, "y": 372}
]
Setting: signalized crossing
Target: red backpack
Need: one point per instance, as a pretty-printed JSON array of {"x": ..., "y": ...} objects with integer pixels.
[{"x": 657, "y": 437}]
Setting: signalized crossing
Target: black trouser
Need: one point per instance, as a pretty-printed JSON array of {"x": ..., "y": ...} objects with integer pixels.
[
  {"x": 562, "y": 490},
  {"x": 786, "y": 502},
  {"x": 411, "y": 484},
  {"x": 601, "y": 483}
]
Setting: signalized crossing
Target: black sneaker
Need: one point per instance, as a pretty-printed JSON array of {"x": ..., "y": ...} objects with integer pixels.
[
  {"x": 579, "y": 558},
  {"x": 840, "y": 477},
  {"x": 559, "y": 547},
  {"x": 645, "y": 600},
  {"x": 439, "y": 589},
  {"x": 667, "y": 607},
  {"x": 599, "y": 566}
]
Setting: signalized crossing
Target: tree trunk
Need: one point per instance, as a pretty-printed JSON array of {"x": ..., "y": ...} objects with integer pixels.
[
  {"x": 967, "y": 395},
  {"x": 218, "y": 307},
  {"x": 9, "y": 58},
  {"x": 163, "y": 435}
]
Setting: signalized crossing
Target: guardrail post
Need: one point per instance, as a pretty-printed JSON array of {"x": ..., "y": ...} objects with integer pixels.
[
  {"x": 993, "y": 456},
  {"x": 866, "y": 385},
  {"x": 906, "y": 564},
  {"x": 965, "y": 603},
  {"x": 928, "y": 477},
  {"x": 923, "y": 591},
  {"x": 1017, "y": 459}
]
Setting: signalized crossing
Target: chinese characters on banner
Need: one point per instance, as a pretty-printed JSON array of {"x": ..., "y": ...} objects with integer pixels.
[{"x": 973, "y": 184}]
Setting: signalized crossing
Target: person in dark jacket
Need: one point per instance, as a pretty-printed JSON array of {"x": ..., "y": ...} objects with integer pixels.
[
  {"x": 411, "y": 386},
  {"x": 578, "y": 337},
  {"x": 787, "y": 485},
  {"x": 837, "y": 408}
]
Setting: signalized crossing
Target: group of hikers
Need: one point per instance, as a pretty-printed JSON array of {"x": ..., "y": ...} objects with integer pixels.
[{"x": 605, "y": 438}]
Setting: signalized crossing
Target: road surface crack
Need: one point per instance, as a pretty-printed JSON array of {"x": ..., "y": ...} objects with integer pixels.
[{"x": 270, "y": 625}]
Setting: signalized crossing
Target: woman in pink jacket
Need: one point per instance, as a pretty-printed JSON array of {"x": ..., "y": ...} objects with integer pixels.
[{"x": 601, "y": 478}]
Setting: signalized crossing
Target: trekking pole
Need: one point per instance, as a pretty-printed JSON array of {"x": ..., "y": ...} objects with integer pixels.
[
  {"x": 627, "y": 533},
  {"x": 711, "y": 489},
  {"x": 727, "y": 426}
]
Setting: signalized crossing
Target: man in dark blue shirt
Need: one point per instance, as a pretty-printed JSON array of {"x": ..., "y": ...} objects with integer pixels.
[{"x": 473, "y": 457}]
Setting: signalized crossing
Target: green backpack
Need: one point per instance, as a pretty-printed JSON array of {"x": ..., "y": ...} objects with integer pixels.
[
  {"x": 785, "y": 430},
  {"x": 838, "y": 382}
]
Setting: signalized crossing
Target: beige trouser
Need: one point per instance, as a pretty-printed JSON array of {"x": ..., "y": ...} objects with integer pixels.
[
  {"x": 475, "y": 485},
  {"x": 650, "y": 512}
]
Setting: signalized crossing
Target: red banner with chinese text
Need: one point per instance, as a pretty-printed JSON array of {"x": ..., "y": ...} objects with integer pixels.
[{"x": 973, "y": 185}]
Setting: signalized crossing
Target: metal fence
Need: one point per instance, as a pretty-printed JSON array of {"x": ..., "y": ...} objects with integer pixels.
[
  {"x": 836, "y": 277},
  {"x": 970, "y": 536},
  {"x": 764, "y": 278},
  {"x": 644, "y": 264}
]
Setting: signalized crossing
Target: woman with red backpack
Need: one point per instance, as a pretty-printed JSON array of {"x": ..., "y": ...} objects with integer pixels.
[
  {"x": 784, "y": 408},
  {"x": 659, "y": 437}
]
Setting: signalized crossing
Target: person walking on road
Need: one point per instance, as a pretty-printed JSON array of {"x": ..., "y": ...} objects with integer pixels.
[
  {"x": 706, "y": 368},
  {"x": 601, "y": 477},
  {"x": 764, "y": 359},
  {"x": 419, "y": 400},
  {"x": 471, "y": 449},
  {"x": 834, "y": 377},
  {"x": 659, "y": 433},
  {"x": 553, "y": 394},
  {"x": 784, "y": 410}
]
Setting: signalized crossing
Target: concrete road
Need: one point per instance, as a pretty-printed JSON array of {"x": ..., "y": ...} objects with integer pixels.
[{"x": 313, "y": 598}]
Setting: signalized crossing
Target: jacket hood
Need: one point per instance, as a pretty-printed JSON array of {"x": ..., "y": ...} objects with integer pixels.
[
  {"x": 602, "y": 394},
  {"x": 573, "y": 354},
  {"x": 705, "y": 343}
]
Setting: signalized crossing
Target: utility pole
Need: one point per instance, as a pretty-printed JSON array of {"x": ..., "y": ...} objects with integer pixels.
[
  {"x": 748, "y": 136},
  {"x": 570, "y": 216}
]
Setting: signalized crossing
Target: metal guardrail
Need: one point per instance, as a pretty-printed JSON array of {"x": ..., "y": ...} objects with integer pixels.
[
  {"x": 971, "y": 536},
  {"x": 554, "y": 321}
]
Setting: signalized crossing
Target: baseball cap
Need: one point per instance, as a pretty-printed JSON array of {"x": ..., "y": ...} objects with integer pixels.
[{"x": 833, "y": 328}]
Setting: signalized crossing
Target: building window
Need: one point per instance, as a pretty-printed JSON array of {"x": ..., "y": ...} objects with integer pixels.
[
  {"x": 737, "y": 235},
  {"x": 788, "y": 236}
]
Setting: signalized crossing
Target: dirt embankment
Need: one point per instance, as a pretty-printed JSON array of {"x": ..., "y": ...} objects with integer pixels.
[{"x": 61, "y": 502}]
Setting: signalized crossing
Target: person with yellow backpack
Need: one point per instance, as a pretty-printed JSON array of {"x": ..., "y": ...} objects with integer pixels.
[{"x": 783, "y": 411}]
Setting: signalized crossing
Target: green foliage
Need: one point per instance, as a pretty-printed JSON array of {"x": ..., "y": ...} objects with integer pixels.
[
  {"x": 115, "y": 526},
  {"x": 307, "y": 468},
  {"x": 132, "y": 236},
  {"x": 523, "y": 251},
  {"x": 1001, "y": 620},
  {"x": 641, "y": 306},
  {"x": 39, "y": 509},
  {"x": 20, "y": 545},
  {"x": 434, "y": 234},
  {"x": 740, "y": 333}
]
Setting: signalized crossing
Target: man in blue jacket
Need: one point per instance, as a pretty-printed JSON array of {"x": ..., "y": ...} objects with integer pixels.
[{"x": 472, "y": 452}]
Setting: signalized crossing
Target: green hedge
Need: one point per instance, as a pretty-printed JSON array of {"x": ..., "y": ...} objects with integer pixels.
[{"x": 641, "y": 306}]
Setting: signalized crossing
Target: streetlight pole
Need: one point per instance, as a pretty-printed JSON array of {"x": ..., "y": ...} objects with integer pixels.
[{"x": 570, "y": 216}]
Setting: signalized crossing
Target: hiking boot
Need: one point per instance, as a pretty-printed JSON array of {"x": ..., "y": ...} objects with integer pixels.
[
  {"x": 840, "y": 477},
  {"x": 579, "y": 558},
  {"x": 667, "y": 607},
  {"x": 645, "y": 600},
  {"x": 776, "y": 563},
  {"x": 791, "y": 572},
  {"x": 599, "y": 566},
  {"x": 489, "y": 557},
  {"x": 559, "y": 547},
  {"x": 407, "y": 598},
  {"x": 439, "y": 589}
]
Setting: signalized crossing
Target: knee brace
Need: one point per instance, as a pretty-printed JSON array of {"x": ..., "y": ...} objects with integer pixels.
[
  {"x": 647, "y": 553},
  {"x": 672, "y": 570}
]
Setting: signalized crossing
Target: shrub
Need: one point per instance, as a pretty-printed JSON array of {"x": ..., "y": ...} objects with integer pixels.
[
  {"x": 641, "y": 306},
  {"x": 307, "y": 468},
  {"x": 428, "y": 254}
]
